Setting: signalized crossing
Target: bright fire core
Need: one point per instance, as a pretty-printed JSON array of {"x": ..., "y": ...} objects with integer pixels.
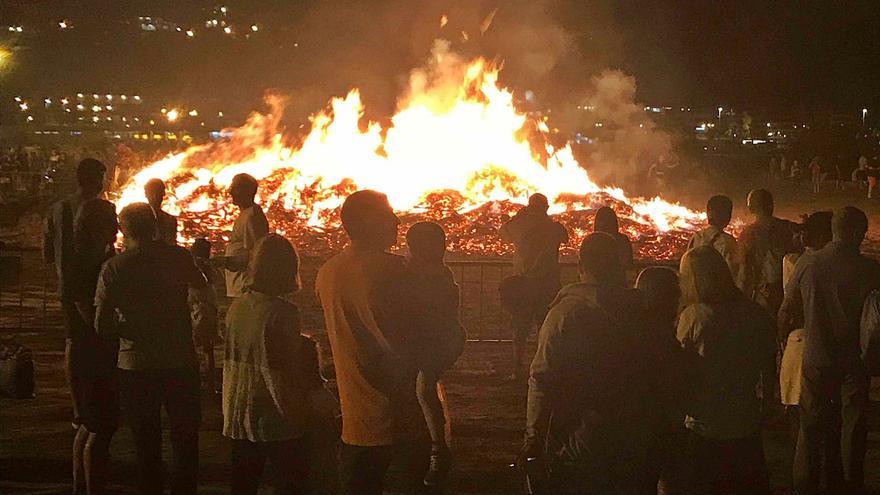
[{"x": 457, "y": 151}]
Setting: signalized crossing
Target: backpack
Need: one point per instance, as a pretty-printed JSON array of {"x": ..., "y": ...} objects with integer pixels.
[
  {"x": 16, "y": 371},
  {"x": 869, "y": 333}
]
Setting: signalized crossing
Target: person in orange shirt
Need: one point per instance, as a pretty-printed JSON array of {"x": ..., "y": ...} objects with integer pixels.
[{"x": 379, "y": 338}]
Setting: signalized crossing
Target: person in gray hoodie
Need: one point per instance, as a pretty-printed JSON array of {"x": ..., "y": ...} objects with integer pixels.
[{"x": 588, "y": 414}]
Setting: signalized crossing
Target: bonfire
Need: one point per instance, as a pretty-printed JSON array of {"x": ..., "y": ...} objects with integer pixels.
[{"x": 457, "y": 151}]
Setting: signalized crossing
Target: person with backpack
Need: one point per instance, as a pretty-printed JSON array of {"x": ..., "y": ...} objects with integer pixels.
[
  {"x": 269, "y": 371},
  {"x": 831, "y": 286},
  {"x": 719, "y": 210},
  {"x": 78, "y": 237},
  {"x": 525, "y": 295},
  {"x": 762, "y": 246},
  {"x": 589, "y": 412}
]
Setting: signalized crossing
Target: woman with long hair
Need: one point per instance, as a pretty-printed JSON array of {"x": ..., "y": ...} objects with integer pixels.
[{"x": 732, "y": 342}]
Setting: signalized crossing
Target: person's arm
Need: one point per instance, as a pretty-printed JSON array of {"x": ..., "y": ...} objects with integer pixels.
[
  {"x": 105, "y": 305},
  {"x": 543, "y": 380},
  {"x": 49, "y": 238},
  {"x": 792, "y": 308},
  {"x": 512, "y": 229}
]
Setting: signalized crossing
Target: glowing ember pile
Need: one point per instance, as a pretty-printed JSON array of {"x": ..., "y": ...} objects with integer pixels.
[{"x": 457, "y": 151}]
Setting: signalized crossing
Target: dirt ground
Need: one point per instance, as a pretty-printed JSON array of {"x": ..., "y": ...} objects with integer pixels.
[{"x": 487, "y": 409}]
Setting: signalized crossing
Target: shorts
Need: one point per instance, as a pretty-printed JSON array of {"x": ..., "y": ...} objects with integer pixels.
[{"x": 93, "y": 384}]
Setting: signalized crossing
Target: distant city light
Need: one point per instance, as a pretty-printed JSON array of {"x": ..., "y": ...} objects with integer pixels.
[
  {"x": 80, "y": 96},
  {"x": 137, "y": 98},
  {"x": 64, "y": 24},
  {"x": 47, "y": 101},
  {"x": 172, "y": 115},
  {"x": 193, "y": 113},
  {"x": 190, "y": 33},
  {"x": 223, "y": 9},
  {"x": 95, "y": 96},
  {"x": 23, "y": 106},
  {"x": 255, "y": 28},
  {"x": 96, "y": 108},
  {"x": 30, "y": 118},
  {"x": 18, "y": 99},
  {"x": 95, "y": 118},
  {"x": 80, "y": 107},
  {"x": 219, "y": 114},
  {"x": 227, "y": 30},
  {"x": 109, "y": 108},
  {"x": 123, "y": 97},
  {"x": 64, "y": 101},
  {"x": 109, "y": 97}
]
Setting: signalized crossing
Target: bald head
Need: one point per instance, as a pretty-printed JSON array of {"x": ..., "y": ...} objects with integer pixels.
[
  {"x": 368, "y": 219},
  {"x": 849, "y": 225}
]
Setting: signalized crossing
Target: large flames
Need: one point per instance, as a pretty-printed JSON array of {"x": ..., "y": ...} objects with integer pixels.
[{"x": 457, "y": 151}]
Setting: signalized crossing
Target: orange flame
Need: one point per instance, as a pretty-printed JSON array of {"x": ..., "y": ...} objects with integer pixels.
[{"x": 456, "y": 132}]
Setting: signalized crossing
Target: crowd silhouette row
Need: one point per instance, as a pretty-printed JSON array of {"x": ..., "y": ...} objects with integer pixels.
[{"x": 663, "y": 387}]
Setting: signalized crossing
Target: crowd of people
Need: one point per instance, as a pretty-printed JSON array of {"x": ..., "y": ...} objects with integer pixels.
[
  {"x": 664, "y": 385},
  {"x": 820, "y": 170}
]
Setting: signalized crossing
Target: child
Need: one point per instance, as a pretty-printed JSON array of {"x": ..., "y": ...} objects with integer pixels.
[
  {"x": 203, "y": 310},
  {"x": 426, "y": 242}
]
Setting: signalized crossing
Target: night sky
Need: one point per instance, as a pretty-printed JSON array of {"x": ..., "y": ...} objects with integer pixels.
[{"x": 772, "y": 56}]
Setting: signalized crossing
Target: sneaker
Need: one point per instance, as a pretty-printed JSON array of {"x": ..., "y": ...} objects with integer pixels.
[{"x": 441, "y": 462}]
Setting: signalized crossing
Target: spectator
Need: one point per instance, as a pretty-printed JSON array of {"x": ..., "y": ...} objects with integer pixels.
[
  {"x": 731, "y": 339},
  {"x": 536, "y": 239},
  {"x": 815, "y": 234},
  {"x": 146, "y": 286},
  {"x": 166, "y": 224},
  {"x": 763, "y": 244},
  {"x": 204, "y": 311},
  {"x": 375, "y": 327},
  {"x": 427, "y": 246},
  {"x": 831, "y": 287},
  {"x": 795, "y": 171},
  {"x": 250, "y": 226},
  {"x": 590, "y": 374},
  {"x": 606, "y": 221},
  {"x": 872, "y": 173},
  {"x": 660, "y": 289},
  {"x": 816, "y": 174},
  {"x": 77, "y": 238},
  {"x": 719, "y": 211},
  {"x": 269, "y": 371}
]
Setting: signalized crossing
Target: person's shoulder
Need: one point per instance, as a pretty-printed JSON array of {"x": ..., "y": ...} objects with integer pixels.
[{"x": 697, "y": 312}]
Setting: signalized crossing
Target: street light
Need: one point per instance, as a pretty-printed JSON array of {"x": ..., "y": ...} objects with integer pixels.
[
  {"x": 720, "y": 109},
  {"x": 864, "y": 115}
]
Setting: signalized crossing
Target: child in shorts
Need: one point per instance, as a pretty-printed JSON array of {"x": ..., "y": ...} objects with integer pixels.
[{"x": 426, "y": 242}]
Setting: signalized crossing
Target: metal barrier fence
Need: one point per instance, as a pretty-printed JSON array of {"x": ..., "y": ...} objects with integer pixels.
[{"x": 29, "y": 297}]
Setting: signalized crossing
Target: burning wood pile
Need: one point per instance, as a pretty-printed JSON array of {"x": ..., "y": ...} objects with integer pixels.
[{"x": 457, "y": 151}]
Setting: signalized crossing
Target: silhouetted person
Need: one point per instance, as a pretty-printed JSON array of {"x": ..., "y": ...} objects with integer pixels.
[
  {"x": 269, "y": 371},
  {"x": 762, "y": 245},
  {"x": 141, "y": 300},
  {"x": 249, "y": 227},
  {"x": 815, "y": 234},
  {"x": 166, "y": 224},
  {"x": 719, "y": 210},
  {"x": 204, "y": 311},
  {"x": 372, "y": 317},
  {"x": 606, "y": 221},
  {"x": 536, "y": 239},
  {"x": 77, "y": 238},
  {"x": 831, "y": 286},
  {"x": 589, "y": 396},
  {"x": 660, "y": 290},
  {"x": 731, "y": 341},
  {"x": 426, "y": 243}
]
